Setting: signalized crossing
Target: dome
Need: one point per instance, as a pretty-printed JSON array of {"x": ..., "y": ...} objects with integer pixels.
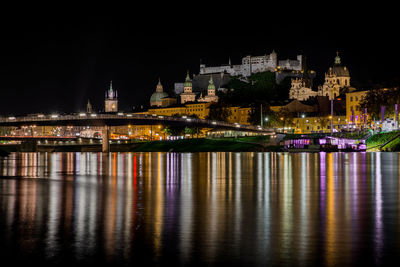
[
  {"x": 338, "y": 68},
  {"x": 157, "y": 96},
  {"x": 340, "y": 71}
]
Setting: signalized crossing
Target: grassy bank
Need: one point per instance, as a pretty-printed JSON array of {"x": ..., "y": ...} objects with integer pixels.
[
  {"x": 197, "y": 145},
  {"x": 380, "y": 138},
  {"x": 384, "y": 141},
  {"x": 248, "y": 139}
]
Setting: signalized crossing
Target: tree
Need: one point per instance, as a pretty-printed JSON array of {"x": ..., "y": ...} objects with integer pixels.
[
  {"x": 190, "y": 130},
  {"x": 219, "y": 112},
  {"x": 376, "y": 98},
  {"x": 174, "y": 130},
  {"x": 324, "y": 122},
  {"x": 260, "y": 87},
  {"x": 255, "y": 113},
  {"x": 283, "y": 117}
]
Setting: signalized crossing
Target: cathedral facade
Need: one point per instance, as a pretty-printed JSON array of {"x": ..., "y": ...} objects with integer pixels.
[
  {"x": 300, "y": 91},
  {"x": 337, "y": 81}
]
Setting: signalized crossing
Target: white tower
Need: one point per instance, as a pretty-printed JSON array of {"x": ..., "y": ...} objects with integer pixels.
[{"x": 111, "y": 101}]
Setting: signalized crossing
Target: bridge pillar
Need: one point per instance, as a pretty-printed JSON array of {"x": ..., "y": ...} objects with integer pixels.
[{"x": 106, "y": 139}]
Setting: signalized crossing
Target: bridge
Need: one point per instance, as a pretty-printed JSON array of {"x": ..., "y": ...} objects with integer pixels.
[{"x": 120, "y": 119}]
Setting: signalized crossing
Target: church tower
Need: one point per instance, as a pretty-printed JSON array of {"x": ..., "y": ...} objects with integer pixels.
[
  {"x": 187, "y": 86},
  {"x": 210, "y": 97},
  {"x": 211, "y": 87},
  {"x": 187, "y": 95},
  {"x": 111, "y": 101}
]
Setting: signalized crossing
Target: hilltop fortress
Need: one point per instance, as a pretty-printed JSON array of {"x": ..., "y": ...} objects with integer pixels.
[{"x": 255, "y": 64}]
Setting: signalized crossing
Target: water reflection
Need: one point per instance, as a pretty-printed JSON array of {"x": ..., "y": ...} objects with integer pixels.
[{"x": 240, "y": 208}]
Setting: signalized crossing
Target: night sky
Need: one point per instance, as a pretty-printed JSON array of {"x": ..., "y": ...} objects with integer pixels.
[{"x": 54, "y": 60}]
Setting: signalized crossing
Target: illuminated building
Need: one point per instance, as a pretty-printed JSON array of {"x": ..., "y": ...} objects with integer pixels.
[
  {"x": 201, "y": 110},
  {"x": 255, "y": 64},
  {"x": 336, "y": 80},
  {"x": 111, "y": 101},
  {"x": 300, "y": 90},
  {"x": 317, "y": 124},
  {"x": 168, "y": 101},
  {"x": 239, "y": 115},
  {"x": 354, "y": 112},
  {"x": 158, "y": 95},
  {"x": 210, "y": 97}
]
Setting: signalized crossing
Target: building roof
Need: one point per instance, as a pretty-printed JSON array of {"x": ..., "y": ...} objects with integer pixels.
[{"x": 339, "y": 70}]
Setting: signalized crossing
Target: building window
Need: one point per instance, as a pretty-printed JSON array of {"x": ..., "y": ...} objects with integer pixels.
[{"x": 351, "y": 99}]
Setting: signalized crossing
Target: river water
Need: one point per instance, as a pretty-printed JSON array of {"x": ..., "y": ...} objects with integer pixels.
[{"x": 300, "y": 209}]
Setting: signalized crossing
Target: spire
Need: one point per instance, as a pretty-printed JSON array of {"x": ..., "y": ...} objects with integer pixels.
[
  {"x": 337, "y": 58},
  {"x": 159, "y": 87},
  {"x": 230, "y": 62},
  {"x": 111, "y": 86},
  {"x": 88, "y": 107},
  {"x": 211, "y": 86},
  {"x": 187, "y": 76}
]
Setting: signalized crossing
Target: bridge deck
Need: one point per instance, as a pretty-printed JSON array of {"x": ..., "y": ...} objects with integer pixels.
[{"x": 86, "y": 119}]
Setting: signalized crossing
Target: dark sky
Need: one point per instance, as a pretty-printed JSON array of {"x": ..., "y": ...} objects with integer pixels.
[{"x": 55, "y": 59}]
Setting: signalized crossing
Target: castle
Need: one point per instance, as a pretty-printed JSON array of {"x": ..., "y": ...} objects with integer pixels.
[{"x": 255, "y": 64}]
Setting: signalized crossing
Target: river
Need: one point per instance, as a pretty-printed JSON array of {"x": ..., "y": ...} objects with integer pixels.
[{"x": 294, "y": 209}]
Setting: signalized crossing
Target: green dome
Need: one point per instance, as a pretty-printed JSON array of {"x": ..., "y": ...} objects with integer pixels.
[{"x": 157, "y": 96}]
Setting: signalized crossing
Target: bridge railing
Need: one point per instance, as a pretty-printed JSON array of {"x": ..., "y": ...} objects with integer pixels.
[{"x": 127, "y": 116}]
